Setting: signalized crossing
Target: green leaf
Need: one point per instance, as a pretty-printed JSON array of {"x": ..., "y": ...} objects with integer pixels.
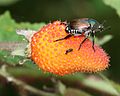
[
  {"x": 101, "y": 85},
  {"x": 8, "y": 28},
  {"x": 75, "y": 92},
  {"x": 104, "y": 39},
  {"x": 60, "y": 87},
  {"x": 114, "y": 4},
  {"x": 6, "y": 58},
  {"x": 7, "y": 2}
]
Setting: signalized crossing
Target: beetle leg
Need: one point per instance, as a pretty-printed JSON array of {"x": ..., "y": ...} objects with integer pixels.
[
  {"x": 93, "y": 44},
  {"x": 93, "y": 40},
  {"x": 69, "y": 35},
  {"x": 82, "y": 42},
  {"x": 64, "y": 23},
  {"x": 69, "y": 50}
]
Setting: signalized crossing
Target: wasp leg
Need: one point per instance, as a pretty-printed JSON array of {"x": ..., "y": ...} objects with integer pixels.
[
  {"x": 69, "y": 35},
  {"x": 69, "y": 50},
  {"x": 82, "y": 42}
]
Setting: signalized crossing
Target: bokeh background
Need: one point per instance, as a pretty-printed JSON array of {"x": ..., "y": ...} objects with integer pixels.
[{"x": 36, "y": 11}]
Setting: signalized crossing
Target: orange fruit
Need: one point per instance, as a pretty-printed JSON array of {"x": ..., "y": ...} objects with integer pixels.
[{"x": 50, "y": 56}]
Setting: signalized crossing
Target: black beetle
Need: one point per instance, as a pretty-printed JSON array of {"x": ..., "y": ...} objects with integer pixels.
[{"x": 85, "y": 26}]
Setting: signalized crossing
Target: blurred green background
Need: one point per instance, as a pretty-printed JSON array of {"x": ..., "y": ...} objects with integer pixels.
[{"x": 32, "y": 12}]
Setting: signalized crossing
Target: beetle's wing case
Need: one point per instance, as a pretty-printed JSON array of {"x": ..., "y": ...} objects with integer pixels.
[{"x": 79, "y": 24}]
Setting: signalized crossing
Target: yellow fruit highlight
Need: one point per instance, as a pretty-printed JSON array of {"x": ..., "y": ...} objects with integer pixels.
[{"x": 50, "y": 56}]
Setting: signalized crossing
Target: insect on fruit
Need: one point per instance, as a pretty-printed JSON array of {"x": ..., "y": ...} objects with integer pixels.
[
  {"x": 83, "y": 26},
  {"x": 50, "y": 56}
]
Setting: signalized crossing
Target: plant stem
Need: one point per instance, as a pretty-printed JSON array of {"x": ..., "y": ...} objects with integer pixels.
[
  {"x": 9, "y": 46},
  {"x": 27, "y": 87}
]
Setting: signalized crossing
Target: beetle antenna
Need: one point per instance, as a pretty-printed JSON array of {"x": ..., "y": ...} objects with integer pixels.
[
  {"x": 107, "y": 28},
  {"x": 103, "y": 22}
]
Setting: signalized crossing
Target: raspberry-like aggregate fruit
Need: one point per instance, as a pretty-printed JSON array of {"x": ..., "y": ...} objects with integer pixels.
[{"x": 50, "y": 56}]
